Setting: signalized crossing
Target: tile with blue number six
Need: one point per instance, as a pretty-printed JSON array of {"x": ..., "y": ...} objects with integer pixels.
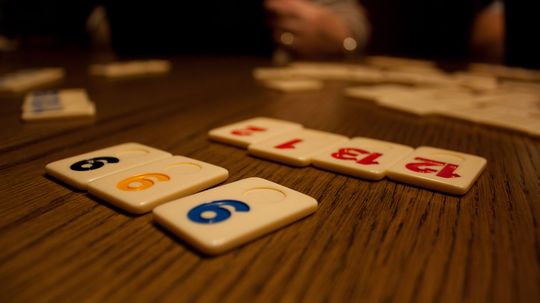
[{"x": 219, "y": 219}]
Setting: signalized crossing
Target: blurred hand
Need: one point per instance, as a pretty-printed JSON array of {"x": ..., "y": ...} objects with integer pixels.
[
  {"x": 487, "y": 34},
  {"x": 307, "y": 28}
]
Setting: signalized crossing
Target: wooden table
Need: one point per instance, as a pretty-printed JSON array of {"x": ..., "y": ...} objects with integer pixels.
[{"x": 368, "y": 241}]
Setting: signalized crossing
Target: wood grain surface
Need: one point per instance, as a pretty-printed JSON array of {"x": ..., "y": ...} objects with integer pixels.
[{"x": 368, "y": 242}]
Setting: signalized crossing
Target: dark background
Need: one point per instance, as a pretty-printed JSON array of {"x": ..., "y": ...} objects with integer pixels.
[{"x": 419, "y": 28}]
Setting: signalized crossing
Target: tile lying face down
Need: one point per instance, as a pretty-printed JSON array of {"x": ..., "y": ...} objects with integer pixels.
[
  {"x": 130, "y": 68},
  {"x": 30, "y": 78}
]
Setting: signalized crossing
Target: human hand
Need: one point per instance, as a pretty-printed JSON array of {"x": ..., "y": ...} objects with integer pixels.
[
  {"x": 307, "y": 28},
  {"x": 487, "y": 33}
]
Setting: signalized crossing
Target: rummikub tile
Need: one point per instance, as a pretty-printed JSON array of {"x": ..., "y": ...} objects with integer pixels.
[
  {"x": 362, "y": 157},
  {"x": 438, "y": 169},
  {"x": 420, "y": 78},
  {"x": 140, "y": 189},
  {"x": 418, "y": 69},
  {"x": 68, "y": 103},
  {"x": 274, "y": 73},
  {"x": 26, "y": 79},
  {"x": 131, "y": 68},
  {"x": 503, "y": 71},
  {"x": 476, "y": 82},
  {"x": 86, "y": 111},
  {"x": 365, "y": 75},
  {"x": 323, "y": 71},
  {"x": 337, "y": 71},
  {"x": 294, "y": 85},
  {"x": 410, "y": 104},
  {"x": 426, "y": 101},
  {"x": 520, "y": 86},
  {"x": 54, "y": 99},
  {"x": 295, "y": 148},
  {"x": 80, "y": 170},
  {"x": 219, "y": 219},
  {"x": 527, "y": 121},
  {"x": 391, "y": 62},
  {"x": 377, "y": 92},
  {"x": 251, "y": 131},
  {"x": 473, "y": 112}
]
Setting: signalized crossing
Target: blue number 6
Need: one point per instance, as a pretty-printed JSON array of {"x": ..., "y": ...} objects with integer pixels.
[{"x": 221, "y": 213}]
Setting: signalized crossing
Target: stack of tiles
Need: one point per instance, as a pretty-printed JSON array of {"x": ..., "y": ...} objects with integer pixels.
[
  {"x": 285, "y": 142},
  {"x": 139, "y": 179},
  {"x": 61, "y": 104},
  {"x": 27, "y": 79},
  {"x": 131, "y": 68},
  {"x": 136, "y": 177},
  {"x": 506, "y": 108},
  {"x": 482, "y": 94},
  {"x": 296, "y": 85}
]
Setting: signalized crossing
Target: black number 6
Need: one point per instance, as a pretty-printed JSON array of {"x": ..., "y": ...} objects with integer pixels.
[{"x": 93, "y": 163}]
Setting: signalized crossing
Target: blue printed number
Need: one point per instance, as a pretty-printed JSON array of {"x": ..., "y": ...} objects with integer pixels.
[
  {"x": 216, "y": 207},
  {"x": 46, "y": 101},
  {"x": 94, "y": 163}
]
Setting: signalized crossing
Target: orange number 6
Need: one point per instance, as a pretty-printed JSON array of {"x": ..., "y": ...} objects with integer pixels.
[{"x": 141, "y": 182}]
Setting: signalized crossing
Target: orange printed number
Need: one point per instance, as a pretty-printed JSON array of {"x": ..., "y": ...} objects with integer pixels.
[{"x": 141, "y": 182}]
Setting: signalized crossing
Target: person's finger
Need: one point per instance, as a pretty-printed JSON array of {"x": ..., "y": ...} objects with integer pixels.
[
  {"x": 279, "y": 8},
  {"x": 284, "y": 8}
]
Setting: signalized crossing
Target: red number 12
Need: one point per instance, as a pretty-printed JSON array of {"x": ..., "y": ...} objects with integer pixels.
[{"x": 447, "y": 170}]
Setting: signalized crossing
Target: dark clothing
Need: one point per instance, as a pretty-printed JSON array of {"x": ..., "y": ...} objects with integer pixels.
[
  {"x": 522, "y": 25},
  {"x": 62, "y": 19},
  {"x": 422, "y": 28},
  {"x": 198, "y": 27}
]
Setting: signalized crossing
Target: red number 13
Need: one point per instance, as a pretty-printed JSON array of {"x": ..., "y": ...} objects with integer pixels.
[{"x": 352, "y": 153}]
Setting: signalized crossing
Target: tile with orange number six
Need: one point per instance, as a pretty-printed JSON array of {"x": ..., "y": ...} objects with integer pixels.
[{"x": 140, "y": 189}]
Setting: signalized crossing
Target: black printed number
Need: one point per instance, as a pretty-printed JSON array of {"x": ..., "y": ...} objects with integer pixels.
[{"x": 94, "y": 163}]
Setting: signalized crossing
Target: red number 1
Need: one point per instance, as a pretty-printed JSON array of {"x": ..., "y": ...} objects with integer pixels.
[{"x": 289, "y": 144}]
